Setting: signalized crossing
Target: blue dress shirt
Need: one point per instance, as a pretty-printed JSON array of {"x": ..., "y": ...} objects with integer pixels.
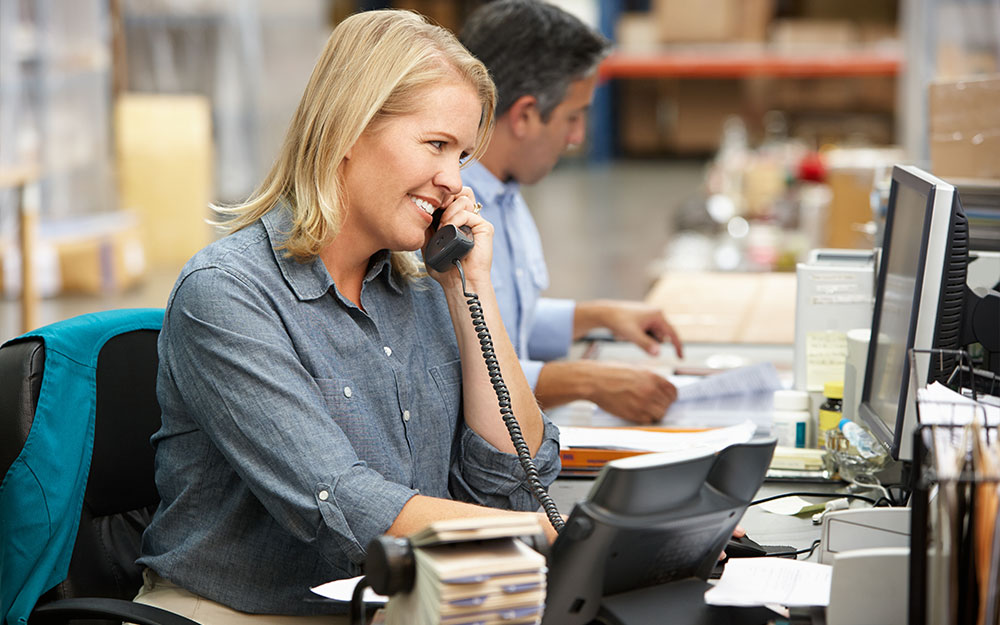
[
  {"x": 296, "y": 425},
  {"x": 540, "y": 328}
]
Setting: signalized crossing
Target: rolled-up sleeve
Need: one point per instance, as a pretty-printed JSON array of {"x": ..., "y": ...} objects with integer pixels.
[
  {"x": 551, "y": 330},
  {"x": 489, "y": 477},
  {"x": 236, "y": 374}
]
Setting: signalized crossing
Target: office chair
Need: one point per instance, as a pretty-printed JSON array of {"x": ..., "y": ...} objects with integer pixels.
[{"x": 77, "y": 408}]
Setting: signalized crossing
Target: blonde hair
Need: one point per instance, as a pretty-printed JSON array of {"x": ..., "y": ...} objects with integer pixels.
[{"x": 373, "y": 67}]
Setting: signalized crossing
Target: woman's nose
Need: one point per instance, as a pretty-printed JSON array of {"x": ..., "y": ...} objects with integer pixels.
[{"x": 450, "y": 178}]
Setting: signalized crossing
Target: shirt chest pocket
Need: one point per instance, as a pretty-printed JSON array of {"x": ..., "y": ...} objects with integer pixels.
[{"x": 448, "y": 379}]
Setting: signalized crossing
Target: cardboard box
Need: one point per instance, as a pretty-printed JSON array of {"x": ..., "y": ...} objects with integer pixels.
[
  {"x": 165, "y": 171},
  {"x": 843, "y": 128},
  {"x": 956, "y": 62},
  {"x": 636, "y": 32},
  {"x": 676, "y": 116},
  {"x": 91, "y": 255},
  {"x": 832, "y": 93},
  {"x": 702, "y": 107},
  {"x": 98, "y": 254},
  {"x": 965, "y": 128},
  {"x": 642, "y": 117},
  {"x": 712, "y": 20},
  {"x": 805, "y": 34},
  {"x": 851, "y": 176},
  {"x": 855, "y": 10}
]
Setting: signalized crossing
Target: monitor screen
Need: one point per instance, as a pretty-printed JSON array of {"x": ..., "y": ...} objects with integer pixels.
[{"x": 918, "y": 302}]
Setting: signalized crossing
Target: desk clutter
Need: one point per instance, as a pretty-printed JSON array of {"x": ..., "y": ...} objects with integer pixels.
[{"x": 473, "y": 571}]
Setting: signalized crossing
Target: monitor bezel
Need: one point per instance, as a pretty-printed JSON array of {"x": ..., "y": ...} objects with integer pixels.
[{"x": 938, "y": 211}]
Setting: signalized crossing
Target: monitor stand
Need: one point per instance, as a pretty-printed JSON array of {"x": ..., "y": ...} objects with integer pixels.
[{"x": 679, "y": 603}]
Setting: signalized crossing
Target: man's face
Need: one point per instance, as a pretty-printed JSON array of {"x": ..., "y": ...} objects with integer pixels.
[{"x": 546, "y": 141}]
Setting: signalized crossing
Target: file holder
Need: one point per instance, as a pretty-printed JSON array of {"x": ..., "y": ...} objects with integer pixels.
[
  {"x": 645, "y": 540},
  {"x": 942, "y": 582}
]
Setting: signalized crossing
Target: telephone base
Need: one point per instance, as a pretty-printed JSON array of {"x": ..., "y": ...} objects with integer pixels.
[{"x": 682, "y": 600}]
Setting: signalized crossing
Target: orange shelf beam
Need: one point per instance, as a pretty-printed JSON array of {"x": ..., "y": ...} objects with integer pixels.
[{"x": 739, "y": 64}]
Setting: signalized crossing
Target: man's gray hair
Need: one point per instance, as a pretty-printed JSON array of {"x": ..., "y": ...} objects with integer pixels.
[{"x": 532, "y": 48}]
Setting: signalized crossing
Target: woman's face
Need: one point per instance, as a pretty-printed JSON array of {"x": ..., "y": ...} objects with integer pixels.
[{"x": 399, "y": 172}]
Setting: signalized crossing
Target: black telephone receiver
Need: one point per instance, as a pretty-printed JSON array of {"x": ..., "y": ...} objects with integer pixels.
[{"x": 447, "y": 244}]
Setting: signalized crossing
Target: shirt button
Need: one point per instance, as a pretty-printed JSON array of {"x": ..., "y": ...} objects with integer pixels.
[
  {"x": 387, "y": 350},
  {"x": 347, "y": 391},
  {"x": 323, "y": 495},
  {"x": 519, "y": 272},
  {"x": 406, "y": 415}
]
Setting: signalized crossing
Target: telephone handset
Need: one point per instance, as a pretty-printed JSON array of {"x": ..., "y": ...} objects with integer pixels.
[{"x": 448, "y": 245}]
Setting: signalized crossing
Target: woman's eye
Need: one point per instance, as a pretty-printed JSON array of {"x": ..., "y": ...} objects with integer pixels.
[{"x": 438, "y": 145}]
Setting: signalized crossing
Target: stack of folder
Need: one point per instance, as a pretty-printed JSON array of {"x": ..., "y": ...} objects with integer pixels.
[{"x": 473, "y": 571}]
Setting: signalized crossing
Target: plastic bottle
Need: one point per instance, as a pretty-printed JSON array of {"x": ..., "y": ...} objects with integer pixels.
[
  {"x": 856, "y": 451},
  {"x": 831, "y": 412},
  {"x": 790, "y": 419}
]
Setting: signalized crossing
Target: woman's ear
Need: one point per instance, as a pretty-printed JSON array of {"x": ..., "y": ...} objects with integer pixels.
[{"x": 523, "y": 115}]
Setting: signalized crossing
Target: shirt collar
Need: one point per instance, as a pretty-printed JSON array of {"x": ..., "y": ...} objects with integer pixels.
[
  {"x": 490, "y": 188},
  {"x": 309, "y": 279}
]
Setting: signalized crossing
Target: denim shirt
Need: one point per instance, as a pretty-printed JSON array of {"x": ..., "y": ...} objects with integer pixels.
[
  {"x": 541, "y": 328},
  {"x": 297, "y": 425}
]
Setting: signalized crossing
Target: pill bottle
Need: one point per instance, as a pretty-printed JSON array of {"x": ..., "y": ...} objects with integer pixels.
[
  {"x": 790, "y": 419},
  {"x": 831, "y": 411}
]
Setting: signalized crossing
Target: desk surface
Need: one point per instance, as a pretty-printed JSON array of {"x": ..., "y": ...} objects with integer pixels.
[{"x": 715, "y": 307}]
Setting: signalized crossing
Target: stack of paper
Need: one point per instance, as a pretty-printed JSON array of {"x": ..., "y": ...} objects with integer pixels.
[{"x": 481, "y": 581}]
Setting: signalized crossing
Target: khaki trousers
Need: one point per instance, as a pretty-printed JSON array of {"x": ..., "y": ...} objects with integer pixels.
[{"x": 158, "y": 592}]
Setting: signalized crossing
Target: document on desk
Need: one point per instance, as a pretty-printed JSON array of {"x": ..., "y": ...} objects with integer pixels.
[
  {"x": 749, "y": 380},
  {"x": 343, "y": 589},
  {"x": 768, "y": 581},
  {"x": 654, "y": 441},
  {"x": 718, "y": 400}
]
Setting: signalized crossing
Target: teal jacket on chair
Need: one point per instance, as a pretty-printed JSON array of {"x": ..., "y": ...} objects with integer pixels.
[{"x": 42, "y": 493}]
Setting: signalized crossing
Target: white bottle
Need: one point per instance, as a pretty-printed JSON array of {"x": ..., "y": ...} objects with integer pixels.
[{"x": 790, "y": 424}]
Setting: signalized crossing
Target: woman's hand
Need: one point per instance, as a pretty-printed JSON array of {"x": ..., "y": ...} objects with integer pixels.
[{"x": 461, "y": 210}]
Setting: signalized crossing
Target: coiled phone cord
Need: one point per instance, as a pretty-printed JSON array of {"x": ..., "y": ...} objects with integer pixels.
[{"x": 503, "y": 398}]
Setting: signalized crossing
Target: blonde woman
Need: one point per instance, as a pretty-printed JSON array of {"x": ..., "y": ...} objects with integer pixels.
[{"x": 318, "y": 387}]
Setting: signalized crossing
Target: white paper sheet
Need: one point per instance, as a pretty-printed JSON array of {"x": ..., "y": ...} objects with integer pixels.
[
  {"x": 342, "y": 589},
  {"x": 759, "y": 378},
  {"x": 645, "y": 440},
  {"x": 790, "y": 506},
  {"x": 763, "y": 581},
  {"x": 715, "y": 401},
  {"x": 941, "y": 405}
]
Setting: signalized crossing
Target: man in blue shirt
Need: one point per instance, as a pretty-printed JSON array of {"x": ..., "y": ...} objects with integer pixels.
[{"x": 544, "y": 64}]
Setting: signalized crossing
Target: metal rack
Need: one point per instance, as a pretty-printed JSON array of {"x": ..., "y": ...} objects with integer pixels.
[{"x": 955, "y": 540}]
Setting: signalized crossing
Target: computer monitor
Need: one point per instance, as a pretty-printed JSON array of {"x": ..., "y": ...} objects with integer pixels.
[{"x": 918, "y": 302}]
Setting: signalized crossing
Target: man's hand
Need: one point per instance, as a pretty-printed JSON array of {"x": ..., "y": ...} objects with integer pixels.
[
  {"x": 639, "y": 323},
  {"x": 634, "y": 393},
  {"x": 631, "y": 392}
]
